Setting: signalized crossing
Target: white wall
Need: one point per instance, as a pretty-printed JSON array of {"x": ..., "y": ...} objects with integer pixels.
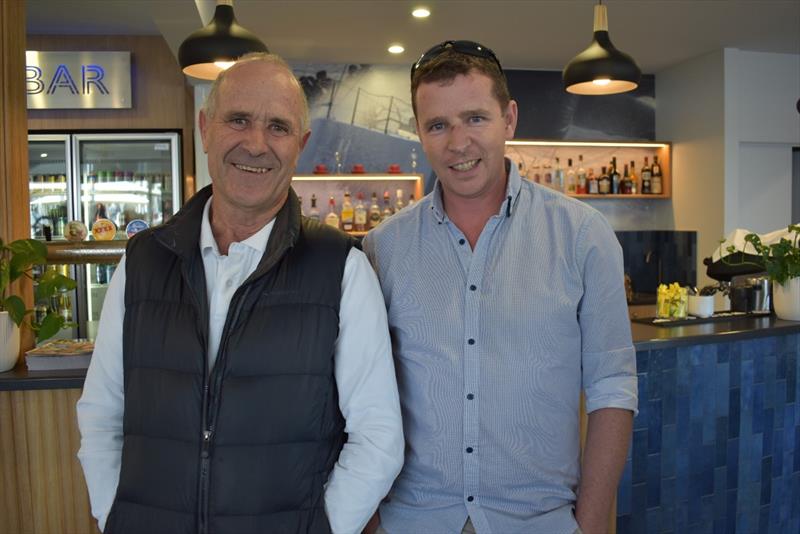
[
  {"x": 762, "y": 125},
  {"x": 764, "y": 187},
  {"x": 691, "y": 114}
]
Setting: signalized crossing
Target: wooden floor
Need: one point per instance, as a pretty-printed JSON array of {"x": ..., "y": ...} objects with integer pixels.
[{"x": 43, "y": 490}]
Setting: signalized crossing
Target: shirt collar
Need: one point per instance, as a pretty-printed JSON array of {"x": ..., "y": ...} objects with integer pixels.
[
  {"x": 512, "y": 193},
  {"x": 257, "y": 241}
]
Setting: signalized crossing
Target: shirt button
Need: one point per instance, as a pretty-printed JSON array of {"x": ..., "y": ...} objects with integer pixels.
[
  {"x": 229, "y": 283},
  {"x": 461, "y": 241},
  {"x": 471, "y": 341},
  {"x": 469, "y": 450},
  {"x": 470, "y": 396},
  {"x": 473, "y": 287},
  {"x": 470, "y": 498}
]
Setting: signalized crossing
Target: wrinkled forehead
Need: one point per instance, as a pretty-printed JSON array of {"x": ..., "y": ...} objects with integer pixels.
[{"x": 261, "y": 85}]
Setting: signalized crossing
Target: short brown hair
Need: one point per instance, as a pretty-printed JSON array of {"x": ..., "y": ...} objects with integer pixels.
[{"x": 449, "y": 64}]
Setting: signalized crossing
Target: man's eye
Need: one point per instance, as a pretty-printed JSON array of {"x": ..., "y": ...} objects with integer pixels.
[
  {"x": 476, "y": 119},
  {"x": 278, "y": 129},
  {"x": 238, "y": 123},
  {"x": 436, "y": 127}
]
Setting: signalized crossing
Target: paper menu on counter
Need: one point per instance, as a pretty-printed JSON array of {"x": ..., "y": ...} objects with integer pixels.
[{"x": 60, "y": 354}]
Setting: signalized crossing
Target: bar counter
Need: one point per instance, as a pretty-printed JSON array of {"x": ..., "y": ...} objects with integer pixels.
[
  {"x": 645, "y": 338},
  {"x": 715, "y": 447}
]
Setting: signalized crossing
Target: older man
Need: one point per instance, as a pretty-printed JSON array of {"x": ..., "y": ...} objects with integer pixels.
[
  {"x": 505, "y": 300},
  {"x": 242, "y": 378}
]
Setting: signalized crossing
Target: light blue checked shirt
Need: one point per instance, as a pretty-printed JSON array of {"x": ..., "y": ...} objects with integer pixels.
[{"x": 492, "y": 347}]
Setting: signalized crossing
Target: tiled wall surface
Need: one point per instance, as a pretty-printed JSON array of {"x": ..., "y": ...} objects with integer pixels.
[
  {"x": 659, "y": 256},
  {"x": 716, "y": 444}
]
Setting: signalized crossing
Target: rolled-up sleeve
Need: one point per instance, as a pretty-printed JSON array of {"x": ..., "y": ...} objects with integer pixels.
[{"x": 608, "y": 355}]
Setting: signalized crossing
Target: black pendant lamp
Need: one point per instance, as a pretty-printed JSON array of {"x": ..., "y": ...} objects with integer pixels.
[
  {"x": 214, "y": 48},
  {"x": 601, "y": 69}
]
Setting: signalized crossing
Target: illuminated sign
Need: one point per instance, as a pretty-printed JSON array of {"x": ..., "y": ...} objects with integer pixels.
[{"x": 78, "y": 80}]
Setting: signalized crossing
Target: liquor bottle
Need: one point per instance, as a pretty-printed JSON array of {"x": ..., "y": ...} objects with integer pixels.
[
  {"x": 374, "y": 211},
  {"x": 347, "y": 213},
  {"x": 593, "y": 185},
  {"x": 572, "y": 181},
  {"x": 313, "y": 212},
  {"x": 338, "y": 157},
  {"x": 558, "y": 177},
  {"x": 411, "y": 199},
  {"x": 387, "y": 207},
  {"x": 332, "y": 219},
  {"x": 537, "y": 172},
  {"x": 582, "y": 187},
  {"x": 604, "y": 183},
  {"x": 399, "y": 203},
  {"x": 634, "y": 179},
  {"x": 300, "y": 201},
  {"x": 625, "y": 186},
  {"x": 613, "y": 174},
  {"x": 360, "y": 214},
  {"x": 647, "y": 184},
  {"x": 656, "y": 178},
  {"x": 547, "y": 174}
]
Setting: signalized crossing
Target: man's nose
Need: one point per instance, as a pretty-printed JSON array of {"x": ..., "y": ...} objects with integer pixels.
[
  {"x": 458, "y": 139},
  {"x": 256, "y": 141}
]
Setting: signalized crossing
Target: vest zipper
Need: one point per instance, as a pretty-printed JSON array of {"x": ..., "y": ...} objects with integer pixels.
[
  {"x": 211, "y": 392},
  {"x": 204, "y": 468}
]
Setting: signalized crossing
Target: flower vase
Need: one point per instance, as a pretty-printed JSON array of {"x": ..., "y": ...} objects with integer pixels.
[
  {"x": 9, "y": 342},
  {"x": 786, "y": 298}
]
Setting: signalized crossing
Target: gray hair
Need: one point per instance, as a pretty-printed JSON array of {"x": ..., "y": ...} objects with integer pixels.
[{"x": 210, "y": 105}]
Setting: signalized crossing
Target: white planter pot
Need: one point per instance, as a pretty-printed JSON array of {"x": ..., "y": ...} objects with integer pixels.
[
  {"x": 9, "y": 342},
  {"x": 787, "y": 299}
]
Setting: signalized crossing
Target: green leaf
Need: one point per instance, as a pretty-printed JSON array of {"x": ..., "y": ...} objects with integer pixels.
[
  {"x": 15, "y": 308},
  {"x": 49, "y": 326},
  {"x": 24, "y": 253},
  {"x": 53, "y": 282},
  {"x": 5, "y": 277}
]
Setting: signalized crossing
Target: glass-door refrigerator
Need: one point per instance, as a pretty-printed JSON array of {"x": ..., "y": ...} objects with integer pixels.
[
  {"x": 50, "y": 179},
  {"x": 50, "y": 183},
  {"x": 122, "y": 177},
  {"x": 86, "y": 176}
]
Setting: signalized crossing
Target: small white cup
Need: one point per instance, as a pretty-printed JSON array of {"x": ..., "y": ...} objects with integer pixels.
[{"x": 701, "y": 306}]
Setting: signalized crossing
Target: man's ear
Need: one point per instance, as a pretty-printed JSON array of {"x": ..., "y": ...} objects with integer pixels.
[
  {"x": 304, "y": 140},
  {"x": 510, "y": 117},
  {"x": 203, "y": 129}
]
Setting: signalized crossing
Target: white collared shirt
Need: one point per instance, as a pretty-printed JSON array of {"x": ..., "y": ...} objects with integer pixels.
[{"x": 364, "y": 372}]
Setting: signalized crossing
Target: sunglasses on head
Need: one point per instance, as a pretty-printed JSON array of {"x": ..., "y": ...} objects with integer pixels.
[{"x": 469, "y": 48}]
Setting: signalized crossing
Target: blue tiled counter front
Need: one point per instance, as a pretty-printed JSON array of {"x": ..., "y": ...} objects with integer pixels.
[{"x": 715, "y": 444}]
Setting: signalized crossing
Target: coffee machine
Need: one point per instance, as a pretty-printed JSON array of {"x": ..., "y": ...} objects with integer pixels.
[{"x": 743, "y": 279}]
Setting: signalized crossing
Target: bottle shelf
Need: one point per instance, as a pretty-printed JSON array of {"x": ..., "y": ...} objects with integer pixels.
[
  {"x": 537, "y": 157},
  {"x": 612, "y": 196}
]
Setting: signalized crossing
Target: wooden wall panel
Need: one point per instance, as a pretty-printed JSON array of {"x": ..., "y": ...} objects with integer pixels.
[
  {"x": 162, "y": 100},
  {"x": 43, "y": 487},
  {"x": 14, "y": 200}
]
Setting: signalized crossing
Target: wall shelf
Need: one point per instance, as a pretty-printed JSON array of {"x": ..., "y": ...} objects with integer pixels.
[{"x": 532, "y": 156}]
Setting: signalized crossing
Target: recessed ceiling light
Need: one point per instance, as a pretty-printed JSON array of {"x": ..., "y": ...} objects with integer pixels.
[
  {"x": 43, "y": 155},
  {"x": 421, "y": 12},
  {"x": 396, "y": 49}
]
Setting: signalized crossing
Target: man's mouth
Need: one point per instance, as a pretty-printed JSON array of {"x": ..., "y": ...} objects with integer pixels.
[
  {"x": 248, "y": 168},
  {"x": 465, "y": 165}
]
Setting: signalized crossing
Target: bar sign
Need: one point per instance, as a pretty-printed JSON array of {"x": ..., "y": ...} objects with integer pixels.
[{"x": 78, "y": 80}]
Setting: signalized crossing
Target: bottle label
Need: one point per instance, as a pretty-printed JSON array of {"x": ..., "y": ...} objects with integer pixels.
[
  {"x": 135, "y": 226},
  {"x": 104, "y": 230}
]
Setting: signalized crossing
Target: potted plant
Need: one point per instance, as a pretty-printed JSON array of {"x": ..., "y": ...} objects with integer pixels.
[
  {"x": 781, "y": 261},
  {"x": 16, "y": 259}
]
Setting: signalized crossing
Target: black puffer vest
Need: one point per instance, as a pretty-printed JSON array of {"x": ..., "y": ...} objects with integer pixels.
[{"x": 249, "y": 447}]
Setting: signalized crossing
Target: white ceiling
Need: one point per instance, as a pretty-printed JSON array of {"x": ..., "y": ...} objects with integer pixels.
[{"x": 538, "y": 34}]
